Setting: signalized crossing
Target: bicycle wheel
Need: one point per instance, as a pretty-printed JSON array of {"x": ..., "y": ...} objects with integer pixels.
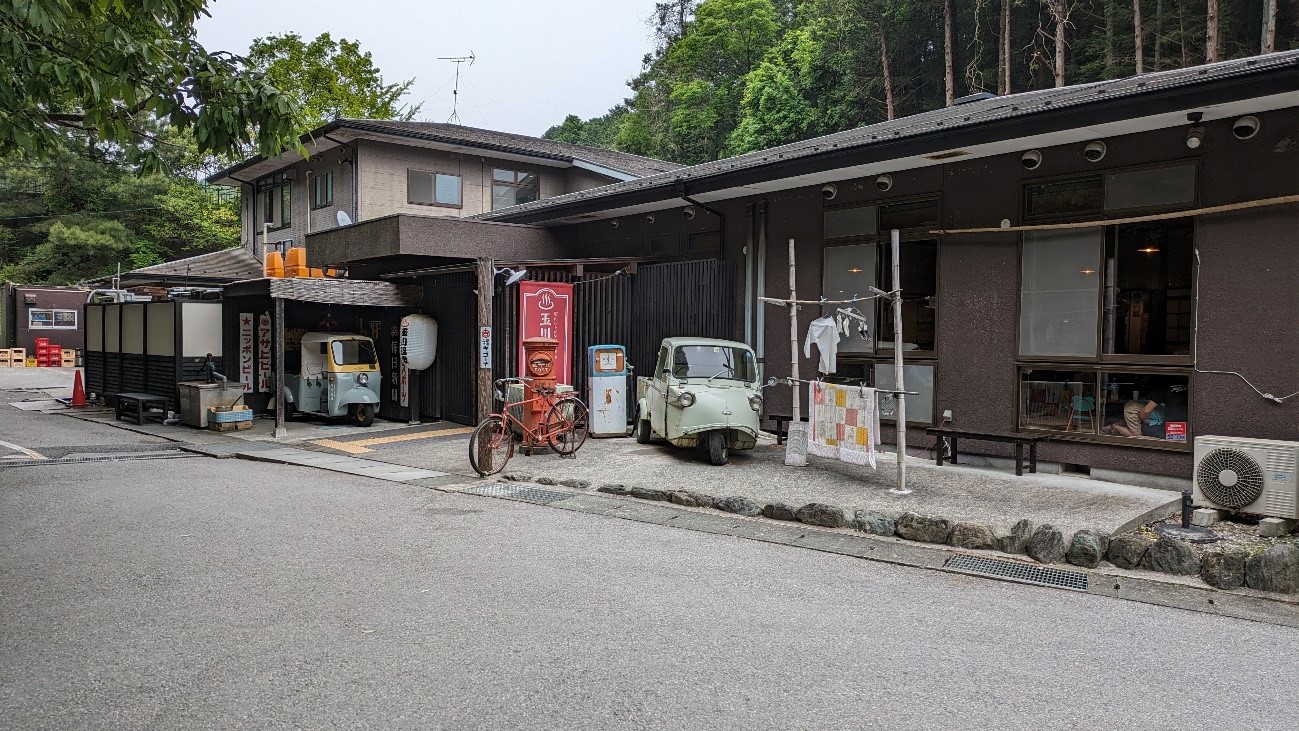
[
  {"x": 567, "y": 424},
  {"x": 491, "y": 446}
]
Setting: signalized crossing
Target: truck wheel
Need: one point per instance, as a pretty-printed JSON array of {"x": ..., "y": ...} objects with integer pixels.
[
  {"x": 361, "y": 414},
  {"x": 643, "y": 434},
  {"x": 289, "y": 411},
  {"x": 718, "y": 452}
]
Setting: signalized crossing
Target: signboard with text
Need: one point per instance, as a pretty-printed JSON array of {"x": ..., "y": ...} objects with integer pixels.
[
  {"x": 546, "y": 311},
  {"x": 246, "y": 351},
  {"x": 1175, "y": 431}
]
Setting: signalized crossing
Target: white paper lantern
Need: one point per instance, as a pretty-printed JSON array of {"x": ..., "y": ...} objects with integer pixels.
[{"x": 419, "y": 341}]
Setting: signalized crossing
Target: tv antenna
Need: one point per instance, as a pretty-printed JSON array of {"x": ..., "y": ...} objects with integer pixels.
[{"x": 455, "y": 92}]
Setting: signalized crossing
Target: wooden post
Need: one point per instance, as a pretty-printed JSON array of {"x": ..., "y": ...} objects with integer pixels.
[
  {"x": 899, "y": 384},
  {"x": 486, "y": 274},
  {"x": 277, "y": 330},
  {"x": 796, "y": 444}
]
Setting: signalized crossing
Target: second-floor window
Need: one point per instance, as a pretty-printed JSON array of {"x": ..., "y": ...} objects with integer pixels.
[
  {"x": 432, "y": 189},
  {"x": 275, "y": 200},
  {"x": 322, "y": 190},
  {"x": 513, "y": 187}
]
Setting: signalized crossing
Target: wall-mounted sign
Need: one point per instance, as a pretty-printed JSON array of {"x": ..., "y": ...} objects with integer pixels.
[
  {"x": 484, "y": 347},
  {"x": 246, "y": 351},
  {"x": 546, "y": 311},
  {"x": 264, "y": 353},
  {"x": 1175, "y": 431}
]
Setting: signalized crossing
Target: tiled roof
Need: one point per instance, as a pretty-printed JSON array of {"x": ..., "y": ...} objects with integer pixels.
[
  {"x": 218, "y": 267},
  {"x": 939, "y": 122},
  {"x": 506, "y": 142}
]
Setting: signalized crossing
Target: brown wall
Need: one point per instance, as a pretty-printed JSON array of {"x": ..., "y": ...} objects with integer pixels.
[{"x": 48, "y": 298}]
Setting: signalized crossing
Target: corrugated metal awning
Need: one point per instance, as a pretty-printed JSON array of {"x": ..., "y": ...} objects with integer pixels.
[{"x": 357, "y": 292}]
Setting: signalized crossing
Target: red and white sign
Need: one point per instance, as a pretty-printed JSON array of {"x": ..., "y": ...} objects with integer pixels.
[
  {"x": 546, "y": 311},
  {"x": 264, "y": 353},
  {"x": 246, "y": 351},
  {"x": 1175, "y": 431}
]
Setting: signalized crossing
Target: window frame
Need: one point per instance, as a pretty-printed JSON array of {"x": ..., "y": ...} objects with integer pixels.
[
  {"x": 53, "y": 322},
  {"x": 1102, "y": 213},
  {"x": 271, "y": 190},
  {"x": 514, "y": 184},
  {"x": 434, "y": 174},
  {"x": 316, "y": 180},
  {"x": 1097, "y": 370}
]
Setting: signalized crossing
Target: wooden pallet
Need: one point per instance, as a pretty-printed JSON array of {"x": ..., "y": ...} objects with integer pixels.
[{"x": 229, "y": 426}]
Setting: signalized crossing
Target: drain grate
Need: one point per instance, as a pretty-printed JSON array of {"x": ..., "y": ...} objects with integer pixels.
[
  {"x": 521, "y": 493},
  {"x": 173, "y": 454},
  {"x": 1017, "y": 571}
]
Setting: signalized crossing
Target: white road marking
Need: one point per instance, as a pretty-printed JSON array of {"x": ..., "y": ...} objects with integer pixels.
[{"x": 30, "y": 454}]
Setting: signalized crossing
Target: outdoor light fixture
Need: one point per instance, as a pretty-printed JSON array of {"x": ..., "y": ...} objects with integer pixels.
[
  {"x": 649, "y": 218},
  {"x": 1195, "y": 136},
  {"x": 614, "y": 223},
  {"x": 515, "y": 275},
  {"x": 688, "y": 212}
]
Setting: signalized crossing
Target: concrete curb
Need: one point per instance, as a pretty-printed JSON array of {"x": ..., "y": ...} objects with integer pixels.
[{"x": 1143, "y": 587}]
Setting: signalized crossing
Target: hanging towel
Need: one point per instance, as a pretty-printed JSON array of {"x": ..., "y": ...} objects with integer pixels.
[{"x": 825, "y": 333}]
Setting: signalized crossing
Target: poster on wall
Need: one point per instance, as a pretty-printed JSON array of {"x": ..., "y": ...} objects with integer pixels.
[
  {"x": 246, "y": 351},
  {"x": 264, "y": 353},
  {"x": 546, "y": 311}
]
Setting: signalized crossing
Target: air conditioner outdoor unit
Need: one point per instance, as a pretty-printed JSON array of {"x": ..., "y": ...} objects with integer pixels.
[{"x": 1247, "y": 475}]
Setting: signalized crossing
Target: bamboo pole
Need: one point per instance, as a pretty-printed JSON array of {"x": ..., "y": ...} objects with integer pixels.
[
  {"x": 898, "y": 380},
  {"x": 1225, "y": 208},
  {"x": 794, "y": 457}
]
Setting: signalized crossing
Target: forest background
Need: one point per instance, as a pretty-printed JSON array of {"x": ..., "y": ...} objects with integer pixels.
[{"x": 90, "y": 181}]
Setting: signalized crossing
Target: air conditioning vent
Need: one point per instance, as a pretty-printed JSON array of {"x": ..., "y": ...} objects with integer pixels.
[{"x": 1256, "y": 476}]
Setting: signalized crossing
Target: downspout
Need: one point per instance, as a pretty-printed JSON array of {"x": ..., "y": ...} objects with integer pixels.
[{"x": 721, "y": 217}]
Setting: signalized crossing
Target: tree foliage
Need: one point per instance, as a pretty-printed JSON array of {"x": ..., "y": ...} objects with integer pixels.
[
  {"x": 329, "y": 79},
  {"x": 113, "y": 68},
  {"x": 731, "y": 76}
]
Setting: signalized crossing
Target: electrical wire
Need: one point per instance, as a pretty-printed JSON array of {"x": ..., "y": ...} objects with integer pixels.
[
  {"x": 80, "y": 213},
  {"x": 1195, "y": 336}
]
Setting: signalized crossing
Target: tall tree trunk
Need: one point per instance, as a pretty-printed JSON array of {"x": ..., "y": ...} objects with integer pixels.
[
  {"x": 1060, "y": 14},
  {"x": 1003, "y": 53},
  {"x": 1211, "y": 32},
  {"x": 888, "y": 77},
  {"x": 1109, "y": 39},
  {"x": 1181, "y": 34},
  {"x": 1137, "y": 52},
  {"x": 949, "y": 62},
  {"x": 1159, "y": 34},
  {"x": 1269, "y": 26}
]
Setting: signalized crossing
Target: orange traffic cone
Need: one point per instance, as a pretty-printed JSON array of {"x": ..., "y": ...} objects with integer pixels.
[{"x": 78, "y": 392}]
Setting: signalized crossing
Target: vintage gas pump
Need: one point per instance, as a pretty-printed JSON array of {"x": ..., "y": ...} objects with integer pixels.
[
  {"x": 607, "y": 379},
  {"x": 539, "y": 365}
]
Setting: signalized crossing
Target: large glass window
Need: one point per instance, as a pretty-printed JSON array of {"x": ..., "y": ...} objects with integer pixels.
[
  {"x": 1085, "y": 401},
  {"x": 849, "y": 271},
  {"x": 919, "y": 274},
  {"x": 433, "y": 189},
  {"x": 514, "y": 187},
  {"x": 847, "y": 222},
  {"x": 919, "y": 382},
  {"x": 1058, "y": 400},
  {"x": 1165, "y": 187},
  {"x": 1059, "y": 287},
  {"x": 1149, "y": 298}
]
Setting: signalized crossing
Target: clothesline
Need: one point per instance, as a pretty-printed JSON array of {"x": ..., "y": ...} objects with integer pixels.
[
  {"x": 787, "y": 381},
  {"x": 823, "y": 301}
]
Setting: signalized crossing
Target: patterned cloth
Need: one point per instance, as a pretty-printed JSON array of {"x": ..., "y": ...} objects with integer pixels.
[{"x": 845, "y": 423}]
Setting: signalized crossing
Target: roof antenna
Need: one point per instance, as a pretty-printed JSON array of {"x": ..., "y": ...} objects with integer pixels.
[{"x": 455, "y": 92}]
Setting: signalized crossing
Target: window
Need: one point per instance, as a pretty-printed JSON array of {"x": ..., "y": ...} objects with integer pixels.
[
  {"x": 1149, "y": 302},
  {"x": 322, "y": 190},
  {"x": 433, "y": 189},
  {"x": 1059, "y": 285},
  {"x": 706, "y": 241},
  {"x": 44, "y": 319},
  {"x": 1168, "y": 187},
  {"x": 847, "y": 222},
  {"x": 714, "y": 361},
  {"x": 919, "y": 274},
  {"x": 353, "y": 352},
  {"x": 275, "y": 193},
  {"x": 918, "y": 378},
  {"x": 1117, "y": 405},
  {"x": 514, "y": 187},
  {"x": 848, "y": 271}
]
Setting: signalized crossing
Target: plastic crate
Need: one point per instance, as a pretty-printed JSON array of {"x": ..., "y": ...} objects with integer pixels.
[
  {"x": 68, "y": 359},
  {"x": 41, "y": 342}
]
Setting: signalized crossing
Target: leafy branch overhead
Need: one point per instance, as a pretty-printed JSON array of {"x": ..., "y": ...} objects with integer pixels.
[{"x": 110, "y": 68}]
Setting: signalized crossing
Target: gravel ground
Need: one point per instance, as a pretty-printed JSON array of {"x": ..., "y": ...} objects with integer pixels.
[{"x": 1237, "y": 534}]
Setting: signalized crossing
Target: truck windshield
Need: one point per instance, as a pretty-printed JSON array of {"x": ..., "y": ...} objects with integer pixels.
[
  {"x": 706, "y": 361},
  {"x": 353, "y": 352}
]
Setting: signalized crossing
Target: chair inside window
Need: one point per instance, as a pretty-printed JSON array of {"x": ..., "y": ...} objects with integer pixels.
[{"x": 1082, "y": 410}]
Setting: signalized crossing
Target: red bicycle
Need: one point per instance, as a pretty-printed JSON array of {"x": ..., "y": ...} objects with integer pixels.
[{"x": 564, "y": 427}]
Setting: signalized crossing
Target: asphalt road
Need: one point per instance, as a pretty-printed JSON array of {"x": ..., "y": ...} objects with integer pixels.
[{"x": 198, "y": 593}]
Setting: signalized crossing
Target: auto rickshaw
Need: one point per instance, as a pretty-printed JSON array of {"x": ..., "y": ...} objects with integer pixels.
[{"x": 339, "y": 377}]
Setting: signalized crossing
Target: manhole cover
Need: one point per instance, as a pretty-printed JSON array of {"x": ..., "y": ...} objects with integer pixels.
[
  {"x": 521, "y": 493},
  {"x": 1017, "y": 571}
]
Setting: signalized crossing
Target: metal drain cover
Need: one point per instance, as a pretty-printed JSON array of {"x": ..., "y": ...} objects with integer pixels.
[
  {"x": 172, "y": 454},
  {"x": 1017, "y": 571},
  {"x": 521, "y": 493}
]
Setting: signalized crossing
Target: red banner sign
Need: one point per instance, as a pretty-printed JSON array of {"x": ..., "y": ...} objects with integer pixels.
[{"x": 546, "y": 311}]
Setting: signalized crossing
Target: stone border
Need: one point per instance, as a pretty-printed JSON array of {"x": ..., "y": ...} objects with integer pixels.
[{"x": 1275, "y": 570}]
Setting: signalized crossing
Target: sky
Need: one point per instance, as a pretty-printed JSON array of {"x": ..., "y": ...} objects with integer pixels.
[{"x": 537, "y": 62}]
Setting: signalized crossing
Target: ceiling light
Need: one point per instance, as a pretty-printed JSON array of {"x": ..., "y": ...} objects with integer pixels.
[
  {"x": 1089, "y": 271},
  {"x": 855, "y": 270},
  {"x": 1149, "y": 250}
]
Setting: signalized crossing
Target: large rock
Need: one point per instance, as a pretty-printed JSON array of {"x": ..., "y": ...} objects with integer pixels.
[
  {"x": 740, "y": 505},
  {"x": 692, "y": 499},
  {"x": 925, "y": 528},
  {"x": 1276, "y": 569},
  {"x": 576, "y": 483},
  {"x": 1046, "y": 545},
  {"x": 1127, "y": 551},
  {"x": 869, "y": 521},
  {"x": 1224, "y": 570},
  {"x": 613, "y": 489},
  {"x": 779, "y": 511},
  {"x": 649, "y": 493},
  {"x": 973, "y": 535},
  {"x": 828, "y": 516},
  {"x": 1171, "y": 556},
  {"x": 1085, "y": 549},
  {"x": 1017, "y": 540}
]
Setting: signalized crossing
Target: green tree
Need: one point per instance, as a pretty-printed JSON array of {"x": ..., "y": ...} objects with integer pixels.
[
  {"x": 110, "y": 68},
  {"x": 330, "y": 79},
  {"x": 595, "y": 132}
]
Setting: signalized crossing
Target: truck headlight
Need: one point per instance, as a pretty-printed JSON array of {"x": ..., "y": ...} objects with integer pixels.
[
  {"x": 755, "y": 403},
  {"x": 363, "y": 379},
  {"x": 686, "y": 399}
]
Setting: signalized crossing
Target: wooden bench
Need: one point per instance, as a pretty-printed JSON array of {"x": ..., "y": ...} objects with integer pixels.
[
  {"x": 1019, "y": 440},
  {"x": 139, "y": 404},
  {"x": 780, "y": 421}
]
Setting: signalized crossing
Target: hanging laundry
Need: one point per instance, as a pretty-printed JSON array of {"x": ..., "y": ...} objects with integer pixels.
[
  {"x": 844, "y": 423},
  {"x": 825, "y": 333}
]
